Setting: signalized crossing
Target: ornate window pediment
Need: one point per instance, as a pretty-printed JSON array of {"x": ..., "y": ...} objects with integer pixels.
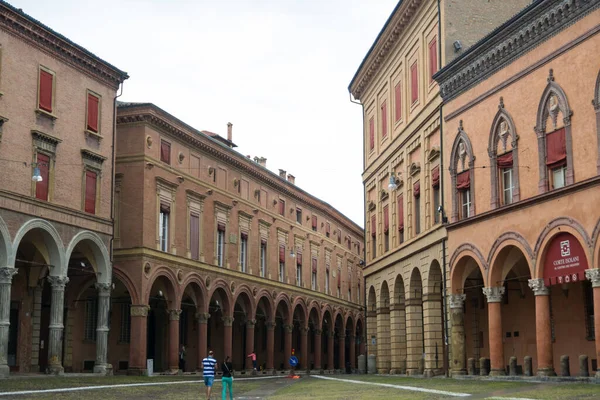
[{"x": 415, "y": 168}]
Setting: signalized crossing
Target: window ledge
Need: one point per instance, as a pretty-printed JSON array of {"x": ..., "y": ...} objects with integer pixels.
[
  {"x": 92, "y": 134},
  {"x": 46, "y": 114}
]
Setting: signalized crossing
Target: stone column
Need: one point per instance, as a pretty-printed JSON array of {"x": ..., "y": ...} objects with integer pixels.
[
  {"x": 594, "y": 276},
  {"x": 288, "y": 344},
  {"x": 270, "y": 345},
  {"x": 227, "y": 337},
  {"x": 543, "y": 328},
  {"x": 249, "y": 342},
  {"x": 352, "y": 342},
  {"x": 414, "y": 335},
  {"x": 57, "y": 306},
  {"x": 137, "y": 344},
  {"x": 398, "y": 340},
  {"x": 330, "y": 364},
  {"x": 304, "y": 362},
  {"x": 6, "y": 276},
  {"x": 457, "y": 318},
  {"x": 174, "y": 340},
  {"x": 318, "y": 349},
  {"x": 202, "y": 338},
  {"x": 101, "y": 366},
  {"x": 432, "y": 328},
  {"x": 494, "y": 299},
  {"x": 383, "y": 359},
  {"x": 342, "y": 351}
]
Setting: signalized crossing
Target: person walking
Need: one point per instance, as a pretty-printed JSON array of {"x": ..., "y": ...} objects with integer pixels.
[
  {"x": 227, "y": 379},
  {"x": 208, "y": 372},
  {"x": 253, "y": 357},
  {"x": 182, "y": 358}
]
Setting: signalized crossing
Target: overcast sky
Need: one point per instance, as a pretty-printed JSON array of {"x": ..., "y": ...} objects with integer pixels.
[{"x": 277, "y": 69}]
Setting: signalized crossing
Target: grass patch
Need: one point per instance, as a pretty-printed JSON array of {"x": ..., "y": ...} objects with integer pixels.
[{"x": 554, "y": 391}]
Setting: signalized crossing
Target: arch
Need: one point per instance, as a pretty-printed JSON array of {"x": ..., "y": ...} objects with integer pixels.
[
  {"x": 195, "y": 283},
  {"x": 399, "y": 290},
  {"x": 303, "y": 313},
  {"x": 596, "y": 243},
  {"x": 339, "y": 318},
  {"x": 99, "y": 251},
  {"x": 171, "y": 288},
  {"x": 263, "y": 297},
  {"x": 503, "y": 126},
  {"x": 327, "y": 313},
  {"x": 128, "y": 283},
  {"x": 556, "y": 226},
  {"x": 244, "y": 294},
  {"x": 52, "y": 241},
  {"x": 462, "y": 262},
  {"x": 384, "y": 295},
  {"x": 596, "y": 104},
  {"x": 314, "y": 306},
  {"x": 5, "y": 246},
  {"x": 287, "y": 307},
  {"x": 349, "y": 322},
  {"x": 415, "y": 285},
  {"x": 326, "y": 309},
  {"x": 222, "y": 288},
  {"x": 505, "y": 240},
  {"x": 434, "y": 278},
  {"x": 372, "y": 299},
  {"x": 552, "y": 103},
  {"x": 461, "y": 149}
]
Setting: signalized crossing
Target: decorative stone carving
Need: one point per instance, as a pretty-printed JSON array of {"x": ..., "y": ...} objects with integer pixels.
[
  {"x": 207, "y": 282},
  {"x": 103, "y": 289},
  {"x": 174, "y": 315},
  {"x": 181, "y": 157},
  {"x": 202, "y": 318},
  {"x": 58, "y": 282},
  {"x": 227, "y": 321},
  {"x": 179, "y": 276},
  {"x": 270, "y": 325},
  {"x": 538, "y": 287},
  {"x": 593, "y": 275},
  {"x": 149, "y": 141},
  {"x": 457, "y": 300},
  {"x": 318, "y": 331},
  {"x": 147, "y": 269},
  {"x": 494, "y": 294},
  {"x": 251, "y": 323},
  {"x": 6, "y": 274},
  {"x": 138, "y": 311},
  {"x": 288, "y": 328},
  {"x": 232, "y": 287},
  {"x": 304, "y": 330}
]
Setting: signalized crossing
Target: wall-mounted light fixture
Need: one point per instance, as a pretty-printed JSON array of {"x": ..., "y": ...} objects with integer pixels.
[
  {"x": 457, "y": 45},
  {"x": 393, "y": 185},
  {"x": 37, "y": 177}
]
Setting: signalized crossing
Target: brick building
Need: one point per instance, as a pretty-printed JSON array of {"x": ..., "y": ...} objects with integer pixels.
[
  {"x": 214, "y": 251},
  {"x": 522, "y": 127},
  {"x": 403, "y": 174},
  {"x": 56, "y": 124}
]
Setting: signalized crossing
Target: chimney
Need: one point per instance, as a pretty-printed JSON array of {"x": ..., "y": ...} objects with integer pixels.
[
  {"x": 291, "y": 179},
  {"x": 256, "y": 159},
  {"x": 263, "y": 161},
  {"x": 282, "y": 173},
  {"x": 230, "y": 131}
]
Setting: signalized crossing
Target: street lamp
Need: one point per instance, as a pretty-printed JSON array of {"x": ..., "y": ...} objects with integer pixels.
[
  {"x": 37, "y": 177},
  {"x": 393, "y": 185}
]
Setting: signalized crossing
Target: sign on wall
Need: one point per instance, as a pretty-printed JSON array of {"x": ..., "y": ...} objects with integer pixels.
[{"x": 565, "y": 260}]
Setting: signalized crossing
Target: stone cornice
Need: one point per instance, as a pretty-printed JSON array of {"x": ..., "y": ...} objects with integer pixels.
[
  {"x": 154, "y": 116},
  {"x": 528, "y": 29},
  {"x": 386, "y": 40},
  {"x": 21, "y": 25}
]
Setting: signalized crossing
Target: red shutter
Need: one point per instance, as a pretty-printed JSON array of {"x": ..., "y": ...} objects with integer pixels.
[
  {"x": 384, "y": 119},
  {"x": 244, "y": 235},
  {"x": 435, "y": 177},
  {"x": 92, "y": 117},
  {"x": 386, "y": 219},
  {"x": 371, "y": 133},
  {"x": 400, "y": 213},
  {"x": 165, "y": 207},
  {"x": 41, "y": 188},
  {"x": 281, "y": 207},
  {"x": 281, "y": 253},
  {"x": 263, "y": 242},
  {"x": 417, "y": 189},
  {"x": 556, "y": 148},
  {"x": 46, "y": 79},
  {"x": 398, "y": 101},
  {"x": 90, "y": 192},
  {"x": 221, "y": 227},
  {"x": 373, "y": 226},
  {"x": 463, "y": 180},
  {"x": 414, "y": 83},
  {"x": 314, "y": 265},
  {"x": 299, "y": 258},
  {"x": 327, "y": 228},
  {"x": 314, "y": 222},
  {"x": 195, "y": 236},
  {"x": 505, "y": 160},
  {"x": 165, "y": 152},
  {"x": 433, "y": 64}
]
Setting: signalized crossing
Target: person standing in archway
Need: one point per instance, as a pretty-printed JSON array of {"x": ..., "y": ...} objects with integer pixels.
[
  {"x": 182, "y": 358},
  {"x": 252, "y": 355}
]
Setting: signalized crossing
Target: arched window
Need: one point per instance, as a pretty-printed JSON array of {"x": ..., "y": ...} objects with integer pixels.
[
  {"x": 596, "y": 103},
  {"x": 553, "y": 130},
  {"x": 504, "y": 159},
  {"x": 462, "y": 166}
]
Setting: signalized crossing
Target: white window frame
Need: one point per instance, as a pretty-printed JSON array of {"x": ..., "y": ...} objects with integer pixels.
[
  {"x": 313, "y": 281},
  {"x": 299, "y": 275},
  {"x": 507, "y": 188},
  {"x": 563, "y": 172},
  {"x": 327, "y": 281},
  {"x": 465, "y": 200},
  {"x": 263, "y": 259},
  {"x": 220, "y": 247},
  {"x": 281, "y": 271},
  {"x": 164, "y": 230},
  {"x": 243, "y": 254}
]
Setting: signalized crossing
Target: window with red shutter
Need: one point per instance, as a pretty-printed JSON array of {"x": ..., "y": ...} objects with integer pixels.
[
  {"x": 414, "y": 83},
  {"x": 195, "y": 236},
  {"x": 165, "y": 152},
  {"x": 386, "y": 220},
  {"x": 398, "y": 101},
  {"x": 400, "y": 213},
  {"x": 372, "y": 133},
  {"x": 373, "y": 226},
  {"x": 314, "y": 265},
  {"x": 93, "y": 112},
  {"x": 433, "y": 63},
  {"x": 90, "y": 192},
  {"x": 45, "y": 90},
  {"x": 281, "y": 207},
  {"x": 314, "y": 222},
  {"x": 384, "y": 119},
  {"x": 41, "y": 188},
  {"x": 282, "y": 253}
]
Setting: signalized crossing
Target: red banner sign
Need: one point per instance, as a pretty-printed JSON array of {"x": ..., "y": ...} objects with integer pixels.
[{"x": 565, "y": 260}]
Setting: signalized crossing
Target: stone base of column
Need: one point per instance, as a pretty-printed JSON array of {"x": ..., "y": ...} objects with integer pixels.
[
  {"x": 396, "y": 371},
  {"x": 430, "y": 373},
  {"x": 56, "y": 370},
  {"x": 174, "y": 371},
  {"x": 598, "y": 374},
  {"x": 103, "y": 369},
  {"x": 458, "y": 372},
  {"x": 382, "y": 371},
  {"x": 547, "y": 372},
  {"x": 497, "y": 372},
  {"x": 137, "y": 372},
  {"x": 4, "y": 371},
  {"x": 413, "y": 371}
]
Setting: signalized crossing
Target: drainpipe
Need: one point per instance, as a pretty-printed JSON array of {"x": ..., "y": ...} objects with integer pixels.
[{"x": 112, "y": 188}]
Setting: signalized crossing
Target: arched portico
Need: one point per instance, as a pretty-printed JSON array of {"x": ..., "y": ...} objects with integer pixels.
[
  {"x": 398, "y": 327},
  {"x": 193, "y": 301},
  {"x": 383, "y": 330},
  {"x": 432, "y": 321}
]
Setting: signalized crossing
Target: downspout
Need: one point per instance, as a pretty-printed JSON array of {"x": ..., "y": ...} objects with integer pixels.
[
  {"x": 444, "y": 218},
  {"x": 112, "y": 188}
]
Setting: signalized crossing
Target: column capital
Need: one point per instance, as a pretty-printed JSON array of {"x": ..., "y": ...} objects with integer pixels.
[
  {"x": 494, "y": 294},
  {"x": 7, "y": 273},
  {"x": 288, "y": 328},
  {"x": 457, "y": 300},
  {"x": 103, "y": 288},
  {"x": 538, "y": 287},
  {"x": 202, "y": 318},
  {"x": 251, "y": 323},
  {"x": 304, "y": 331},
  {"x": 318, "y": 331},
  {"x": 174, "y": 315},
  {"x": 341, "y": 337},
  {"x": 270, "y": 325},
  {"x": 227, "y": 321},
  {"x": 58, "y": 282},
  {"x": 593, "y": 275},
  {"x": 139, "y": 310}
]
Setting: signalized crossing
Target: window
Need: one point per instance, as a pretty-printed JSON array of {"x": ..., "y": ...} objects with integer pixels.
[
  {"x": 507, "y": 185},
  {"x": 91, "y": 319},
  {"x": 90, "y": 191},
  {"x": 435, "y": 185},
  {"x": 398, "y": 101},
  {"x": 220, "y": 244},
  {"x": 313, "y": 276},
  {"x": 384, "y": 120},
  {"x": 263, "y": 258},
  {"x": 414, "y": 83},
  {"x": 339, "y": 281},
  {"x": 125, "y": 326},
  {"x": 339, "y": 236},
  {"x": 46, "y": 90},
  {"x": 349, "y": 294},
  {"x": 299, "y": 268},
  {"x": 282, "y": 207},
  {"x": 163, "y": 227},
  {"x": 327, "y": 229},
  {"x": 327, "y": 280},
  {"x": 386, "y": 229},
  {"x": 372, "y": 134},
  {"x": 374, "y": 235},
  {"x": 556, "y": 158},
  {"x": 433, "y": 64},
  {"x": 349, "y": 243},
  {"x": 93, "y": 113},
  {"x": 400, "y": 218},
  {"x": 417, "y": 195},
  {"x": 314, "y": 223},
  {"x": 165, "y": 152},
  {"x": 559, "y": 177},
  {"x": 463, "y": 185},
  {"x": 281, "y": 262},
  {"x": 244, "y": 251},
  {"x": 298, "y": 215},
  {"x": 195, "y": 236},
  {"x": 41, "y": 187},
  {"x": 465, "y": 198}
]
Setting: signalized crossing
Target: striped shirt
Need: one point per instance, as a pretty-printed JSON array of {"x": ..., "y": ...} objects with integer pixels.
[{"x": 208, "y": 365}]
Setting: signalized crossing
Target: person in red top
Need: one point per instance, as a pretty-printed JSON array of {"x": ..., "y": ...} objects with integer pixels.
[{"x": 252, "y": 355}]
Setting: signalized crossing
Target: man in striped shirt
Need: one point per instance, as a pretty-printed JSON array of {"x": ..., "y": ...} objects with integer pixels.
[{"x": 208, "y": 371}]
